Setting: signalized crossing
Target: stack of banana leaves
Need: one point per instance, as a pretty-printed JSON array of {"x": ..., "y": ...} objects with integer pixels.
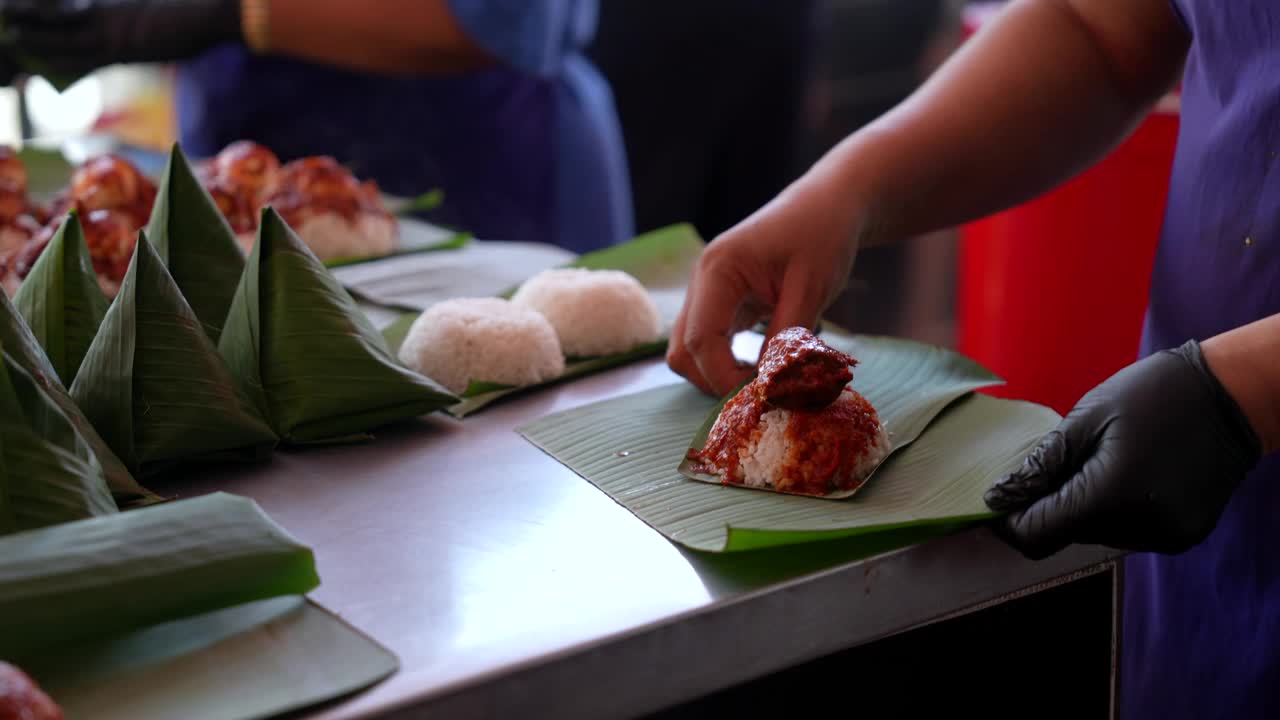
[{"x": 203, "y": 356}]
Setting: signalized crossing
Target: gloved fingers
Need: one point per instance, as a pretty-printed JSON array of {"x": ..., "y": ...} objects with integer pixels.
[
  {"x": 1057, "y": 519},
  {"x": 1043, "y": 471}
]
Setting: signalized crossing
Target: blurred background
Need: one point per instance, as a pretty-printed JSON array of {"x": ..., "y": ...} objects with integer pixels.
[{"x": 724, "y": 102}]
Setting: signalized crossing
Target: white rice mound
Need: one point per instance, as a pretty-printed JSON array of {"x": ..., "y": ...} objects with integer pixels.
[
  {"x": 765, "y": 455},
  {"x": 594, "y": 312},
  {"x": 491, "y": 340},
  {"x": 331, "y": 236}
]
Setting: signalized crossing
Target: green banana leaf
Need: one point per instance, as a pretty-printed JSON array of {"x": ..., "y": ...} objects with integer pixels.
[
  {"x": 255, "y": 660},
  {"x": 79, "y": 581},
  {"x": 631, "y": 447},
  {"x": 153, "y": 384},
  {"x": 194, "y": 240},
  {"x": 22, "y": 346},
  {"x": 661, "y": 260},
  {"x": 305, "y": 352},
  {"x": 48, "y": 474},
  {"x": 426, "y": 202},
  {"x": 61, "y": 300},
  {"x": 48, "y": 171}
]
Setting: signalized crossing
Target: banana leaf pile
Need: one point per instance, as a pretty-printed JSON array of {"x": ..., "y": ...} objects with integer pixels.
[
  {"x": 192, "y": 609},
  {"x": 151, "y": 380}
]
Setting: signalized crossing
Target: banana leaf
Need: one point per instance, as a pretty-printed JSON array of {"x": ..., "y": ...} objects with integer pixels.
[
  {"x": 48, "y": 171},
  {"x": 48, "y": 474},
  {"x": 84, "y": 580},
  {"x": 20, "y": 344},
  {"x": 194, "y": 240},
  {"x": 632, "y": 447},
  {"x": 153, "y": 384},
  {"x": 661, "y": 260},
  {"x": 61, "y": 300},
  {"x": 255, "y": 660},
  {"x": 305, "y": 352}
]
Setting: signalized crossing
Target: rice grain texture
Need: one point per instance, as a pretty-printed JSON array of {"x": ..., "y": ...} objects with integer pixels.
[
  {"x": 594, "y": 312},
  {"x": 332, "y": 236},
  {"x": 465, "y": 340}
]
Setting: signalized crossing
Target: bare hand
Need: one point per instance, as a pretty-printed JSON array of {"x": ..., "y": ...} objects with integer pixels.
[{"x": 787, "y": 262}]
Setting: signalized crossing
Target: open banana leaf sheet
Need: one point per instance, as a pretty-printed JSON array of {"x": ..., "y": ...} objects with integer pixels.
[
  {"x": 191, "y": 609},
  {"x": 661, "y": 260},
  {"x": 256, "y": 660},
  {"x": 306, "y": 355},
  {"x": 153, "y": 384},
  {"x": 61, "y": 300},
  {"x": 21, "y": 345},
  {"x": 632, "y": 448}
]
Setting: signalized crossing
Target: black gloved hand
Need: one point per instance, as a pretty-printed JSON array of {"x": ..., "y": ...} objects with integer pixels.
[
  {"x": 76, "y": 36},
  {"x": 1146, "y": 461}
]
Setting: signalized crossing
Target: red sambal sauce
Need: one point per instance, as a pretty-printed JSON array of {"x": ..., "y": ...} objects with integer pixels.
[
  {"x": 825, "y": 446},
  {"x": 739, "y": 419},
  {"x": 800, "y": 372}
]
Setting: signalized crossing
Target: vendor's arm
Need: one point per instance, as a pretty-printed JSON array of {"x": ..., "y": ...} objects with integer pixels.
[
  {"x": 1149, "y": 459},
  {"x": 1247, "y": 361},
  {"x": 1042, "y": 92},
  {"x": 390, "y": 36}
]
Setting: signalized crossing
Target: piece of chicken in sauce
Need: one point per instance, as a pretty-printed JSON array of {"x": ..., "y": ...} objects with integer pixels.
[{"x": 800, "y": 372}]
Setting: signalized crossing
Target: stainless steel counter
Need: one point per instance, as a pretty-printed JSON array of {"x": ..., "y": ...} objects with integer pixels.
[{"x": 510, "y": 587}]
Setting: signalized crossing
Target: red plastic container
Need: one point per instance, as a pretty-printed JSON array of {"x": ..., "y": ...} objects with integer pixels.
[{"x": 1052, "y": 293}]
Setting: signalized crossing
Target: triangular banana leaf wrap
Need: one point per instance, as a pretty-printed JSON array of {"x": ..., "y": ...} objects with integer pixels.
[
  {"x": 195, "y": 242},
  {"x": 305, "y": 352},
  {"x": 62, "y": 301},
  {"x": 21, "y": 345},
  {"x": 154, "y": 385},
  {"x": 632, "y": 447},
  {"x": 48, "y": 474},
  {"x": 74, "y": 581},
  {"x": 661, "y": 260}
]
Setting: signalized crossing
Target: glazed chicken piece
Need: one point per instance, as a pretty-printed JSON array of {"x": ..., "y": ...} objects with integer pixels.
[
  {"x": 247, "y": 168},
  {"x": 110, "y": 237},
  {"x": 113, "y": 183},
  {"x": 22, "y": 699},
  {"x": 800, "y": 372},
  {"x": 13, "y": 174},
  {"x": 320, "y": 184},
  {"x": 236, "y": 204}
]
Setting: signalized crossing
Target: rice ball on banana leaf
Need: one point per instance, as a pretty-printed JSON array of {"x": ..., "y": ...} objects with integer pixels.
[
  {"x": 594, "y": 312},
  {"x": 465, "y": 340}
]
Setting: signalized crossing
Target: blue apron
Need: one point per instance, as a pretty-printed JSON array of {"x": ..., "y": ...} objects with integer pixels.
[
  {"x": 528, "y": 150},
  {"x": 1201, "y": 634}
]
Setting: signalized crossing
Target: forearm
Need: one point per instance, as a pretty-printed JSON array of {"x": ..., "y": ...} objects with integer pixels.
[
  {"x": 391, "y": 36},
  {"x": 1040, "y": 94},
  {"x": 1247, "y": 363}
]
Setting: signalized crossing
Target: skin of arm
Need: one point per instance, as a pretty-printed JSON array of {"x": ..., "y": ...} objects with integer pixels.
[
  {"x": 391, "y": 36},
  {"x": 1044, "y": 92},
  {"x": 1041, "y": 93},
  {"x": 1247, "y": 363}
]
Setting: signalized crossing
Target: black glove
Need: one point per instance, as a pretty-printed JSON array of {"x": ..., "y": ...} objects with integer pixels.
[
  {"x": 1146, "y": 461},
  {"x": 73, "y": 37}
]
